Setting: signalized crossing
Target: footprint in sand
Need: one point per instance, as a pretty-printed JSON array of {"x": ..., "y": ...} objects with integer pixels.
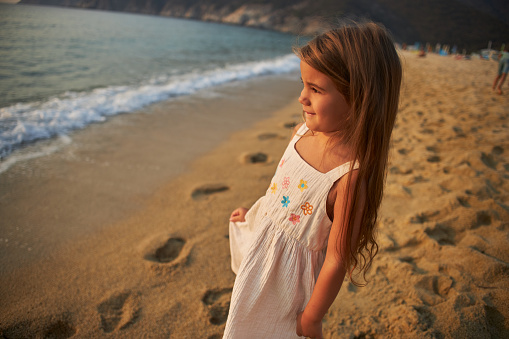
[
  {"x": 267, "y": 136},
  {"x": 432, "y": 289},
  {"x": 444, "y": 235},
  {"x": 459, "y": 132},
  {"x": 488, "y": 160},
  {"x": 497, "y": 150},
  {"x": 290, "y": 124},
  {"x": 170, "y": 250},
  {"x": 483, "y": 218},
  {"x": 119, "y": 311},
  {"x": 204, "y": 191},
  {"x": 352, "y": 288},
  {"x": 427, "y": 131},
  {"x": 423, "y": 217},
  {"x": 431, "y": 149},
  {"x": 165, "y": 254},
  {"x": 411, "y": 260},
  {"x": 60, "y": 330},
  {"x": 218, "y": 304},
  {"x": 425, "y": 316},
  {"x": 433, "y": 158},
  {"x": 254, "y": 158},
  {"x": 463, "y": 201},
  {"x": 418, "y": 179},
  {"x": 397, "y": 170}
]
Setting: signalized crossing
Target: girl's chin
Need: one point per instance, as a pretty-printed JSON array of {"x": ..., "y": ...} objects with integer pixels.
[
  {"x": 317, "y": 128},
  {"x": 312, "y": 126}
]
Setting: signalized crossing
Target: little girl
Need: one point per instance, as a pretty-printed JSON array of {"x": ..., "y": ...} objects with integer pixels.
[{"x": 316, "y": 222}]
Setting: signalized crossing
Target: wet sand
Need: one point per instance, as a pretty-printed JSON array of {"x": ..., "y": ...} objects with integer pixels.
[
  {"x": 110, "y": 170},
  {"x": 157, "y": 264}
]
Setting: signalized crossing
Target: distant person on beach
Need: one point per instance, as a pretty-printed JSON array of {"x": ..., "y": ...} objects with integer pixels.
[
  {"x": 422, "y": 52},
  {"x": 503, "y": 69},
  {"x": 316, "y": 223}
]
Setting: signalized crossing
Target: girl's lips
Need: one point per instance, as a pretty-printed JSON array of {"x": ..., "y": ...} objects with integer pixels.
[{"x": 309, "y": 113}]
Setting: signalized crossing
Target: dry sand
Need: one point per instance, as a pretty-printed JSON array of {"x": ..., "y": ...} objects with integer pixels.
[{"x": 442, "y": 270}]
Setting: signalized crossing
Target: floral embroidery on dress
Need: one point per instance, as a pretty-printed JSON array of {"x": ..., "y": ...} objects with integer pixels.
[
  {"x": 303, "y": 185},
  {"x": 286, "y": 182},
  {"x": 285, "y": 201},
  {"x": 294, "y": 218},
  {"x": 282, "y": 163},
  {"x": 307, "y": 208},
  {"x": 273, "y": 188}
]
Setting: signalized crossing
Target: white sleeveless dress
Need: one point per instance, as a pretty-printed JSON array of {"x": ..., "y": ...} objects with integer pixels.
[{"x": 277, "y": 253}]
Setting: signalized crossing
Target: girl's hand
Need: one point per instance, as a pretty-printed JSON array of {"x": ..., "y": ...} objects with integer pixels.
[
  {"x": 239, "y": 214},
  {"x": 308, "y": 328}
]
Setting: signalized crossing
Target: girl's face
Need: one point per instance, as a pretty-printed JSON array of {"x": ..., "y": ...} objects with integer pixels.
[{"x": 325, "y": 108}]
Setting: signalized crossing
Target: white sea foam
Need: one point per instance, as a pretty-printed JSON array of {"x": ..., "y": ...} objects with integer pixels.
[
  {"x": 25, "y": 123},
  {"x": 42, "y": 151}
]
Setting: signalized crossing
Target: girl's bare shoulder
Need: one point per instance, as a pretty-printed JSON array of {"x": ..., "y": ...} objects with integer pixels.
[{"x": 344, "y": 188}]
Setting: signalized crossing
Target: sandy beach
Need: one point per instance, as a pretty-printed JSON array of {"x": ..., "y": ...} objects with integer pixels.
[{"x": 145, "y": 252}]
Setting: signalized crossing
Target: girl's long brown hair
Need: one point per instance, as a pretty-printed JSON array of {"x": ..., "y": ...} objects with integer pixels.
[{"x": 362, "y": 62}]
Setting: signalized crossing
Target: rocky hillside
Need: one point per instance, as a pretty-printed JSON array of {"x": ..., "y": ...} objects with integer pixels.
[{"x": 469, "y": 24}]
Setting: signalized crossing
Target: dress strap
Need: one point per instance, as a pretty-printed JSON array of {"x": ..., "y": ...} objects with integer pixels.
[
  {"x": 341, "y": 170},
  {"x": 300, "y": 132}
]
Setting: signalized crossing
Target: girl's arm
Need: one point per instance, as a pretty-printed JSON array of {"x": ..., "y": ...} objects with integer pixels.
[{"x": 330, "y": 279}]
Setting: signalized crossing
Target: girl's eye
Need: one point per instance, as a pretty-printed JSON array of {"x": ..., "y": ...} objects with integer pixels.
[{"x": 313, "y": 89}]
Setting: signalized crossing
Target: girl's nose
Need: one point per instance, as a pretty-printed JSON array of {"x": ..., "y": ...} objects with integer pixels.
[{"x": 303, "y": 99}]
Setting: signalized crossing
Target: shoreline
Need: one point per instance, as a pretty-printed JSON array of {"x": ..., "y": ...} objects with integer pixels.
[
  {"x": 198, "y": 235},
  {"x": 442, "y": 269},
  {"x": 105, "y": 172}
]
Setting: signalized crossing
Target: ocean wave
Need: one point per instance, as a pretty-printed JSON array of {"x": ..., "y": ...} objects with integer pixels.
[
  {"x": 28, "y": 122},
  {"x": 62, "y": 140}
]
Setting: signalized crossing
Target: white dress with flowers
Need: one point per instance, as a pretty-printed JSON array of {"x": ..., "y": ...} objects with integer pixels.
[{"x": 277, "y": 253}]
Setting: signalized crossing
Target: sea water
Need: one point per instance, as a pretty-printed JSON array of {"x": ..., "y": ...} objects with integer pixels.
[{"x": 62, "y": 69}]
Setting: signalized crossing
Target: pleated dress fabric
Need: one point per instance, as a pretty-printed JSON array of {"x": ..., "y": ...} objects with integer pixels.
[{"x": 277, "y": 253}]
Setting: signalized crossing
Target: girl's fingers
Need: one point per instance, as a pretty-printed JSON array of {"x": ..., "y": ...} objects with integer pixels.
[
  {"x": 235, "y": 214},
  {"x": 238, "y": 214}
]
